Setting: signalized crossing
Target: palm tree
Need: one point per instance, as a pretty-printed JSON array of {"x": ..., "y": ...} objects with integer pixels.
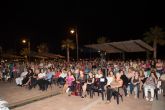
[
  {"x": 102, "y": 40},
  {"x": 0, "y": 52},
  {"x": 67, "y": 44},
  {"x": 25, "y": 53},
  {"x": 43, "y": 48},
  {"x": 155, "y": 36}
]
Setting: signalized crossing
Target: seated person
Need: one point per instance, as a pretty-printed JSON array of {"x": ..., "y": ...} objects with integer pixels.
[
  {"x": 62, "y": 76},
  {"x": 34, "y": 78},
  {"x": 150, "y": 85},
  {"x": 130, "y": 75},
  {"x": 80, "y": 82},
  {"x": 69, "y": 81},
  {"x": 20, "y": 79},
  {"x": 88, "y": 85},
  {"x": 142, "y": 78},
  {"x": 117, "y": 82},
  {"x": 40, "y": 79},
  {"x": 56, "y": 76},
  {"x": 110, "y": 78},
  {"x": 26, "y": 80},
  {"x": 162, "y": 78},
  {"x": 48, "y": 78},
  {"x": 102, "y": 83},
  {"x": 136, "y": 81}
]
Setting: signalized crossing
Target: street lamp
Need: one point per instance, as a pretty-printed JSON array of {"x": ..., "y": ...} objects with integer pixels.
[
  {"x": 28, "y": 42},
  {"x": 72, "y": 31}
]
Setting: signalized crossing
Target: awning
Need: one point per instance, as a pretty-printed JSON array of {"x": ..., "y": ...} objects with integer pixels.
[
  {"x": 123, "y": 46},
  {"x": 50, "y": 55},
  {"x": 11, "y": 56}
]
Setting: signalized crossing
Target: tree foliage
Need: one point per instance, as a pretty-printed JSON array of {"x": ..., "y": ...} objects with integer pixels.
[
  {"x": 43, "y": 48},
  {"x": 102, "y": 40}
]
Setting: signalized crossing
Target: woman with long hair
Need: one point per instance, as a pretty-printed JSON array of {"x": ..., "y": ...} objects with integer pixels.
[
  {"x": 117, "y": 82},
  {"x": 69, "y": 80}
]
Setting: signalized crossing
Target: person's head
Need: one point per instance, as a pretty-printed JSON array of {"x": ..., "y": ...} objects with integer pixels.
[
  {"x": 117, "y": 75},
  {"x": 41, "y": 70},
  {"x": 136, "y": 73},
  {"x": 49, "y": 70},
  {"x": 159, "y": 60},
  {"x": 69, "y": 73},
  {"x": 90, "y": 74},
  {"x": 99, "y": 71},
  {"x": 81, "y": 72},
  {"x": 25, "y": 69},
  {"x": 121, "y": 72},
  {"x": 153, "y": 74},
  {"x": 141, "y": 72},
  {"x": 37, "y": 71},
  {"x": 130, "y": 70},
  {"x": 110, "y": 74},
  {"x": 30, "y": 71}
]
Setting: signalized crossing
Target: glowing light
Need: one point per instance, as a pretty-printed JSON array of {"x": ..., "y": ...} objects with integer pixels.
[
  {"x": 24, "y": 41},
  {"x": 72, "y": 31}
]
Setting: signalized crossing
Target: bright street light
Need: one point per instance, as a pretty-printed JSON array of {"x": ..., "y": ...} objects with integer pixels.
[
  {"x": 72, "y": 31},
  {"x": 28, "y": 42},
  {"x": 24, "y": 41}
]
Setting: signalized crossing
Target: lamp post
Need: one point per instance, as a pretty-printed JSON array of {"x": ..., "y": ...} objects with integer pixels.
[
  {"x": 28, "y": 43},
  {"x": 72, "y": 31}
]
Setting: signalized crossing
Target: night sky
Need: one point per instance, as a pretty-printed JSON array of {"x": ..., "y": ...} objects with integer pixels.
[{"x": 49, "y": 22}]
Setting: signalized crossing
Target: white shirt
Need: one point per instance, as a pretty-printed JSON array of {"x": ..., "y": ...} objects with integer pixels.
[
  {"x": 23, "y": 74},
  {"x": 109, "y": 80},
  {"x": 41, "y": 75}
]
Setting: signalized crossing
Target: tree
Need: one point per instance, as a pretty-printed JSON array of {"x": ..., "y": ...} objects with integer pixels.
[
  {"x": 155, "y": 36},
  {"x": 25, "y": 52},
  {"x": 0, "y": 52},
  {"x": 67, "y": 44},
  {"x": 43, "y": 48},
  {"x": 102, "y": 40}
]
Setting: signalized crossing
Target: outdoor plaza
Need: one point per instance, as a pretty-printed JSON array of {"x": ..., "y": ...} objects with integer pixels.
[{"x": 20, "y": 98}]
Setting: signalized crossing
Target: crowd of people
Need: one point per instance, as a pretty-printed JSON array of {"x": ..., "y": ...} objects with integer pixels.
[{"x": 86, "y": 77}]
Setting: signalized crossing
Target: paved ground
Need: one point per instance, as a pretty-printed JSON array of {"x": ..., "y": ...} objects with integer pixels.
[
  {"x": 14, "y": 95},
  {"x": 63, "y": 102}
]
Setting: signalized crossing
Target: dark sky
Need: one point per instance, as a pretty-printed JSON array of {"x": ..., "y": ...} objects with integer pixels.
[{"x": 49, "y": 21}]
